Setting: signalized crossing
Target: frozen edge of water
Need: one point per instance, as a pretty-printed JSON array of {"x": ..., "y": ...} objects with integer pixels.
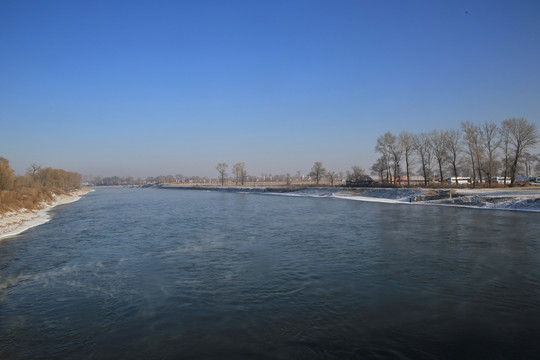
[
  {"x": 41, "y": 217},
  {"x": 397, "y": 195},
  {"x": 487, "y": 206}
]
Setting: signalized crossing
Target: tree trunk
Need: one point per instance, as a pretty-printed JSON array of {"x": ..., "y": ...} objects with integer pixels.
[
  {"x": 513, "y": 170},
  {"x": 479, "y": 172},
  {"x": 407, "y": 166},
  {"x": 473, "y": 170}
]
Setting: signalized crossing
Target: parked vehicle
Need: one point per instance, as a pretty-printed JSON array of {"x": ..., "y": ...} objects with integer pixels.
[
  {"x": 460, "y": 180},
  {"x": 500, "y": 180}
]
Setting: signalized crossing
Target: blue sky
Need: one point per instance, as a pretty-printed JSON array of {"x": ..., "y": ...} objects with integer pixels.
[{"x": 166, "y": 87}]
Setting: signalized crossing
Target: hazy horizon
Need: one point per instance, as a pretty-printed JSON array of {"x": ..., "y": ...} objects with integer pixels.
[{"x": 170, "y": 87}]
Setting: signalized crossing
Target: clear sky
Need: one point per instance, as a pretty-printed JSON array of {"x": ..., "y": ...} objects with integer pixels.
[{"x": 174, "y": 87}]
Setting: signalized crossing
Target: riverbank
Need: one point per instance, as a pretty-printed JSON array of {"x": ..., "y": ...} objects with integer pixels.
[
  {"x": 523, "y": 199},
  {"x": 16, "y": 222}
]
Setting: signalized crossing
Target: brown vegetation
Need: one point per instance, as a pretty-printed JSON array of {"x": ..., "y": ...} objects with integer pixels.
[
  {"x": 26, "y": 198},
  {"x": 37, "y": 186}
]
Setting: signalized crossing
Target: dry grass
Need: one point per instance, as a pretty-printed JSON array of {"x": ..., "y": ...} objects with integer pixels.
[{"x": 25, "y": 198}]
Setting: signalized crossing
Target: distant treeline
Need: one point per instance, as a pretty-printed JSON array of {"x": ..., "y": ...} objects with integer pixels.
[
  {"x": 181, "y": 179},
  {"x": 37, "y": 185}
]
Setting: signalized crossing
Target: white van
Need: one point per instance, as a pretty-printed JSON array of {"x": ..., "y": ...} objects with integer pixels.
[{"x": 460, "y": 180}]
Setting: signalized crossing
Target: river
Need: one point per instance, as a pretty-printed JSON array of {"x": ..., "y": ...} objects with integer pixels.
[{"x": 179, "y": 274}]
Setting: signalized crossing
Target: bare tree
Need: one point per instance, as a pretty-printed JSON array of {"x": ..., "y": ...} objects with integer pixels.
[
  {"x": 422, "y": 146},
  {"x": 528, "y": 161},
  {"x": 452, "y": 143},
  {"x": 357, "y": 174},
  {"x": 317, "y": 172},
  {"x": 396, "y": 151},
  {"x": 331, "y": 175},
  {"x": 383, "y": 148},
  {"x": 222, "y": 171},
  {"x": 438, "y": 146},
  {"x": 240, "y": 173},
  {"x": 504, "y": 133},
  {"x": 406, "y": 142},
  {"x": 389, "y": 147},
  {"x": 471, "y": 138},
  {"x": 379, "y": 167},
  {"x": 33, "y": 170},
  {"x": 489, "y": 135},
  {"x": 523, "y": 135},
  {"x": 387, "y": 169}
]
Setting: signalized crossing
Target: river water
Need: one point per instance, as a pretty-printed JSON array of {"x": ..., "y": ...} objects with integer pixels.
[{"x": 177, "y": 274}]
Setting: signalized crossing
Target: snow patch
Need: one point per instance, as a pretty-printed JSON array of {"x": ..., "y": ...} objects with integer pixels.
[{"x": 15, "y": 222}]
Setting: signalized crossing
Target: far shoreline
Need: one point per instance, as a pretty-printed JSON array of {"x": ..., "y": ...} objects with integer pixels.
[{"x": 508, "y": 198}]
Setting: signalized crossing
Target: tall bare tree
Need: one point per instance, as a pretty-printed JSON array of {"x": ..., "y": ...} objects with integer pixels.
[
  {"x": 537, "y": 166},
  {"x": 387, "y": 168},
  {"x": 383, "y": 148},
  {"x": 528, "y": 161},
  {"x": 240, "y": 173},
  {"x": 379, "y": 167},
  {"x": 396, "y": 151},
  {"x": 406, "y": 142},
  {"x": 452, "y": 143},
  {"x": 489, "y": 135},
  {"x": 523, "y": 135},
  {"x": 438, "y": 146},
  {"x": 471, "y": 139},
  {"x": 504, "y": 133},
  {"x": 389, "y": 146},
  {"x": 331, "y": 175},
  {"x": 317, "y": 171},
  {"x": 222, "y": 171},
  {"x": 422, "y": 146}
]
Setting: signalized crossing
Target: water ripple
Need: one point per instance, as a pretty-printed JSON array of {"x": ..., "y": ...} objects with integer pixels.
[{"x": 178, "y": 274}]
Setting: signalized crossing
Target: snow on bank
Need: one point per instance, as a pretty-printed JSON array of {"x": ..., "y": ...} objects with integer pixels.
[
  {"x": 15, "y": 222},
  {"x": 500, "y": 199},
  {"x": 527, "y": 199},
  {"x": 382, "y": 195},
  {"x": 523, "y": 199}
]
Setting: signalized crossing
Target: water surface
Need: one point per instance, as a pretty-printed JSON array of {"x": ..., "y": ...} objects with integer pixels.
[{"x": 147, "y": 273}]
